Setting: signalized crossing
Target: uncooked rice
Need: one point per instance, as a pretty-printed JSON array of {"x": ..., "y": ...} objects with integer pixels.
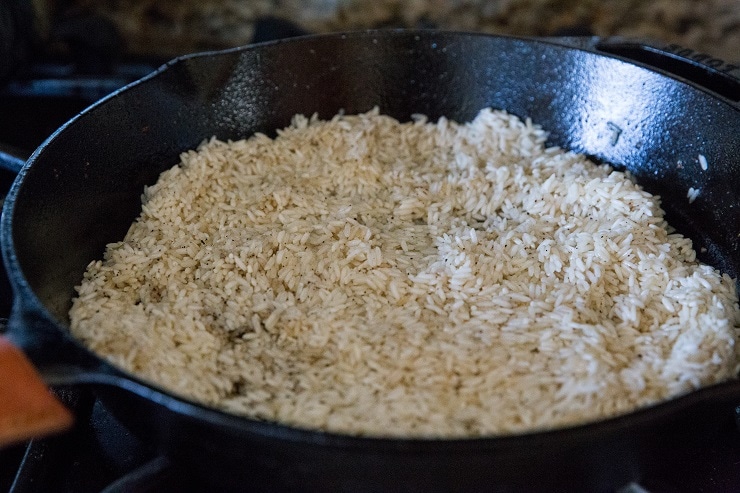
[
  {"x": 371, "y": 277},
  {"x": 703, "y": 162},
  {"x": 692, "y": 194}
]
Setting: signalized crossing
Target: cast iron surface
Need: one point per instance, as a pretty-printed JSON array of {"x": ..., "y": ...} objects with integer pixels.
[{"x": 81, "y": 190}]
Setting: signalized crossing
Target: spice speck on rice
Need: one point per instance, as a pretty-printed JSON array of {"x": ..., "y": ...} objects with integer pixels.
[{"x": 371, "y": 277}]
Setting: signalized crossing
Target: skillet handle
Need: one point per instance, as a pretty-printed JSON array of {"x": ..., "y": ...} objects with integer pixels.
[
  {"x": 705, "y": 71},
  {"x": 28, "y": 408},
  {"x": 711, "y": 73},
  {"x": 11, "y": 162}
]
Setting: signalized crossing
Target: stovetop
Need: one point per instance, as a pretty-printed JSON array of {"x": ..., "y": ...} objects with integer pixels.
[{"x": 99, "y": 454}]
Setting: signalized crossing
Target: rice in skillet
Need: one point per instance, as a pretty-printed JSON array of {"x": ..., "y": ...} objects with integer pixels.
[{"x": 365, "y": 276}]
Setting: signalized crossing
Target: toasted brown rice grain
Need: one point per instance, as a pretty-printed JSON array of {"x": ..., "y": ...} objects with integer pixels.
[{"x": 372, "y": 277}]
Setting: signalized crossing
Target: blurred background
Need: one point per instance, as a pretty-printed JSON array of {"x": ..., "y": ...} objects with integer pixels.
[
  {"x": 165, "y": 28},
  {"x": 169, "y": 26},
  {"x": 58, "y": 56}
]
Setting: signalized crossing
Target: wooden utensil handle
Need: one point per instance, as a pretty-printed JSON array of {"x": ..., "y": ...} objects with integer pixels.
[{"x": 28, "y": 409}]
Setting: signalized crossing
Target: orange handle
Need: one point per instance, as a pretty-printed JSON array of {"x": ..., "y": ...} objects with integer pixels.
[{"x": 28, "y": 409}]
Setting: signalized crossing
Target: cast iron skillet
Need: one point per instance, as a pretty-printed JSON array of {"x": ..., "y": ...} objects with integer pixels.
[{"x": 81, "y": 189}]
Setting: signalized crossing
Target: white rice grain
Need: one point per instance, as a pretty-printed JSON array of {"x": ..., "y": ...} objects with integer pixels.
[
  {"x": 703, "y": 162},
  {"x": 692, "y": 194},
  {"x": 371, "y": 277}
]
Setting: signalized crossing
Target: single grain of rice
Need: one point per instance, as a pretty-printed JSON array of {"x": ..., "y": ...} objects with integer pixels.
[
  {"x": 703, "y": 162},
  {"x": 692, "y": 194}
]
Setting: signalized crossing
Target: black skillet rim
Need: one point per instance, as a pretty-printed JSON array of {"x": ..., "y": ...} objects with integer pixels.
[{"x": 107, "y": 374}]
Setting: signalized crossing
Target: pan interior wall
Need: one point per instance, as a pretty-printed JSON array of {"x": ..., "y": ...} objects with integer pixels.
[{"x": 83, "y": 190}]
